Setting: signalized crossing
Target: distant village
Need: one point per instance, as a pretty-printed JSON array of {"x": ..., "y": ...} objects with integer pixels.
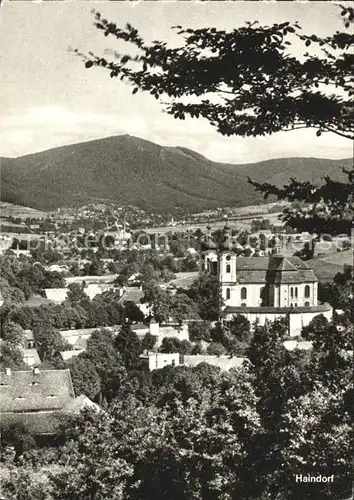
[{"x": 185, "y": 290}]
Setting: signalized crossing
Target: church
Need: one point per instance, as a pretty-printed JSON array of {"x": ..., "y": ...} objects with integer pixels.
[{"x": 262, "y": 288}]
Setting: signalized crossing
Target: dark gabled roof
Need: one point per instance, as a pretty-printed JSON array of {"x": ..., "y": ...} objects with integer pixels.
[
  {"x": 274, "y": 262},
  {"x": 132, "y": 293},
  {"x": 251, "y": 276},
  {"x": 252, "y": 263},
  {"x": 26, "y": 391},
  {"x": 48, "y": 422},
  {"x": 276, "y": 269}
]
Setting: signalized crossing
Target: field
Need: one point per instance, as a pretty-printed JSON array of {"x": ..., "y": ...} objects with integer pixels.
[
  {"x": 184, "y": 280},
  {"x": 241, "y": 221},
  {"x": 327, "y": 267},
  {"x": 19, "y": 211}
]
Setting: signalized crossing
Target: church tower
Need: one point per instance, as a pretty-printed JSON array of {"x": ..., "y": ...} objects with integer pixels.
[
  {"x": 209, "y": 253},
  {"x": 227, "y": 269}
]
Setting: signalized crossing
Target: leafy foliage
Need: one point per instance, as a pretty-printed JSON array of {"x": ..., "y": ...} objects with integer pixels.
[
  {"x": 245, "y": 81},
  {"x": 198, "y": 433},
  {"x": 48, "y": 343},
  {"x": 84, "y": 377},
  {"x": 129, "y": 346},
  {"x": 205, "y": 291},
  {"x": 324, "y": 209}
]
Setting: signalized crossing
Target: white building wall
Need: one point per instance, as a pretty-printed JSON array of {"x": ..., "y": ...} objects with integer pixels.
[
  {"x": 296, "y": 320},
  {"x": 233, "y": 294},
  {"x": 315, "y": 294},
  {"x": 159, "y": 360},
  {"x": 253, "y": 294},
  {"x": 227, "y": 259},
  {"x": 144, "y": 308},
  {"x": 276, "y": 296},
  {"x": 284, "y": 295},
  {"x": 299, "y": 299}
]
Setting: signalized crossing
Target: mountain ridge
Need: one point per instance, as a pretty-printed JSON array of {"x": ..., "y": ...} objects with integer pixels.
[{"x": 129, "y": 170}]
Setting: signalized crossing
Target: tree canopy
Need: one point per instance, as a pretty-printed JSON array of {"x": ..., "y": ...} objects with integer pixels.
[{"x": 245, "y": 82}]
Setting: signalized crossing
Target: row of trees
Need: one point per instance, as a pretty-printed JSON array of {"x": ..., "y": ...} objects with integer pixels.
[{"x": 21, "y": 278}]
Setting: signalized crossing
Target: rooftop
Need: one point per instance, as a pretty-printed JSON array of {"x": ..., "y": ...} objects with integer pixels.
[
  {"x": 48, "y": 422},
  {"x": 276, "y": 269},
  {"x": 35, "y": 390}
]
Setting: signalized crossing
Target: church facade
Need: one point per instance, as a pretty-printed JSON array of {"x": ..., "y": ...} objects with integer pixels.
[{"x": 263, "y": 288}]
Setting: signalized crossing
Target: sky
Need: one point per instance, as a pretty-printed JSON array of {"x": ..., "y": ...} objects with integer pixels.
[{"x": 49, "y": 99}]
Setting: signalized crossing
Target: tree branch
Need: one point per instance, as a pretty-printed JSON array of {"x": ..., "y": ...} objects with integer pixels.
[{"x": 346, "y": 136}]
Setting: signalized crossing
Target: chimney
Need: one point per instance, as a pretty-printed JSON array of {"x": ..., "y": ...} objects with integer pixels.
[
  {"x": 8, "y": 372},
  {"x": 35, "y": 371}
]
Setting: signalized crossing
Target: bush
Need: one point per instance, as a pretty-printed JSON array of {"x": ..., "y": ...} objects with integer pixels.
[
  {"x": 199, "y": 330},
  {"x": 216, "y": 349}
]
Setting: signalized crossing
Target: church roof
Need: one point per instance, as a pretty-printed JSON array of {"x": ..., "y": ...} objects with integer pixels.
[{"x": 276, "y": 269}]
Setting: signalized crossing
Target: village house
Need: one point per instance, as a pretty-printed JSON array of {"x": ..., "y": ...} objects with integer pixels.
[{"x": 38, "y": 399}]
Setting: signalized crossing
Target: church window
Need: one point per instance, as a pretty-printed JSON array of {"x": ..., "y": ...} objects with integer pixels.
[
  {"x": 228, "y": 268},
  {"x": 307, "y": 304},
  {"x": 243, "y": 304},
  {"x": 292, "y": 292},
  {"x": 228, "y": 257},
  {"x": 243, "y": 293},
  {"x": 228, "y": 293},
  {"x": 307, "y": 291},
  {"x": 296, "y": 292}
]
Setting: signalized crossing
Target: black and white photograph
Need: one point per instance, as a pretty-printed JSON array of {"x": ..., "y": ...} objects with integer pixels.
[{"x": 176, "y": 250}]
